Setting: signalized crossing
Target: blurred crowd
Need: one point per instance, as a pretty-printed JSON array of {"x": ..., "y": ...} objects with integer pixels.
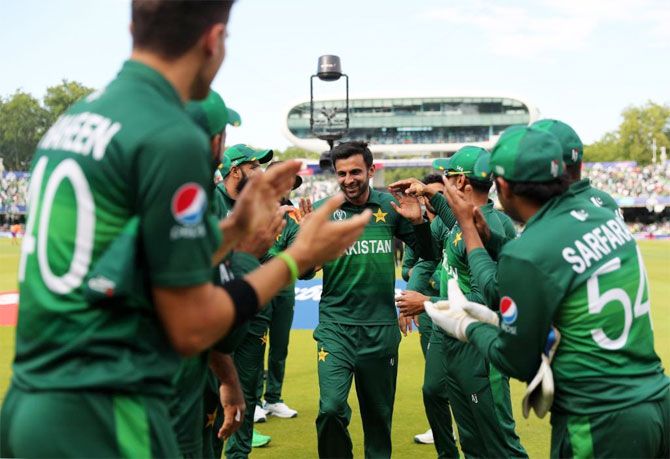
[
  {"x": 13, "y": 191},
  {"x": 623, "y": 180}
]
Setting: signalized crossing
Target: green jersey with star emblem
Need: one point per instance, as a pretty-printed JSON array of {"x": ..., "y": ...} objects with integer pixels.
[
  {"x": 576, "y": 266},
  {"x": 359, "y": 286},
  {"x": 127, "y": 150},
  {"x": 455, "y": 262}
]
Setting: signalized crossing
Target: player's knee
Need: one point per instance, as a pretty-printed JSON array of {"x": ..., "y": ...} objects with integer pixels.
[
  {"x": 431, "y": 389},
  {"x": 332, "y": 408}
]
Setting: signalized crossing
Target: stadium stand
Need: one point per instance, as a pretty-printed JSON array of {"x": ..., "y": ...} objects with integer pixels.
[{"x": 642, "y": 191}]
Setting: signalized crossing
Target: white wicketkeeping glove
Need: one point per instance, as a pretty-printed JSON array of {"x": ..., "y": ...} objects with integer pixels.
[
  {"x": 455, "y": 315},
  {"x": 453, "y": 321},
  {"x": 457, "y": 300},
  {"x": 540, "y": 391},
  {"x": 481, "y": 313}
]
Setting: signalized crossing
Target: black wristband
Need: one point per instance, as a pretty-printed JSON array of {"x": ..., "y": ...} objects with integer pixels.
[{"x": 245, "y": 300}]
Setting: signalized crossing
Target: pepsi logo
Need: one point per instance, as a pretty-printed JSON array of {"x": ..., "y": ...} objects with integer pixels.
[
  {"x": 188, "y": 204},
  {"x": 508, "y": 310}
]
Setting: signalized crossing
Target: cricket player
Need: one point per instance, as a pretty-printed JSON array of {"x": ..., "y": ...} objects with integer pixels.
[
  {"x": 573, "y": 151},
  {"x": 421, "y": 278},
  {"x": 242, "y": 162},
  {"x": 478, "y": 394},
  {"x": 357, "y": 336},
  {"x": 280, "y": 313},
  {"x": 576, "y": 267},
  {"x": 127, "y": 167},
  {"x": 186, "y": 407}
]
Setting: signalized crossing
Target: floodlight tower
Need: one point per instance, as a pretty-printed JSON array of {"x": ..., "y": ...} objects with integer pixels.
[{"x": 330, "y": 128}]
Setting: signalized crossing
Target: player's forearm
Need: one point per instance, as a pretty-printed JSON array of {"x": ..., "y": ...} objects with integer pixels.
[
  {"x": 424, "y": 242},
  {"x": 471, "y": 237},
  {"x": 197, "y": 317},
  {"x": 484, "y": 275},
  {"x": 443, "y": 210},
  {"x": 486, "y": 338},
  {"x": 496, "y": 242},
  {"x": 529, "y": 302},
  {"x": 223, "y": 367},
  {"x": 274, "y": 275}
]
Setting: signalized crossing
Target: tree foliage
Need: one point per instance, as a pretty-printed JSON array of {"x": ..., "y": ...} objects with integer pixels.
[
  {"x": 635, "y": 135},
  {"x": 59, "y": 98},
  {"x": 23, "y": 120},
  {"x": 295, "y": 153}
]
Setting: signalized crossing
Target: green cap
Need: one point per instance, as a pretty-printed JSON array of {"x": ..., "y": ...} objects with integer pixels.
[
  {"x": 482, "y": 169},
  {"x": 440, "y": 164},
  {"x": 240, "y": 153},
  {"x": 212, "y": 114},
  {"x": 573, "y": 148},
  {"x": 511, "y": 129},
  {"x": 463, "y": 162},
  {"x": 234, "y": 118},
  {"x": 527, "y": 155},
  {"x": 224, "y": 167}
]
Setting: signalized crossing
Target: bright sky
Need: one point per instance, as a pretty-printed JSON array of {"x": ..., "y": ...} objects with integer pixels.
[{"x": 581, "y": 61}]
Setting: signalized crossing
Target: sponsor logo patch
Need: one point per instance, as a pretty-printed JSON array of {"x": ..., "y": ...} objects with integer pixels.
[
  {"x": 508, "y": 310},
  {"x": 188, "y": 204}
]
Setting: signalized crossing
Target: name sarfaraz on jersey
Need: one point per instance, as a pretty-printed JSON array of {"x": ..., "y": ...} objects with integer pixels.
[
  {"x": 595, "y": 244},
  {"x": 369, "y": 247}
]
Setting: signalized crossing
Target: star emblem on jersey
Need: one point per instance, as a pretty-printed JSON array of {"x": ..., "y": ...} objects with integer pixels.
[
  {"x": 458, "y": 238},
  {"x": 189, "y": 203},
  {"x": 264, "y": 339},
  {"x": 380, "y": 216},
  {"x": 508, "y": 310},
  {"x": 211, "y": 418},
  {"x": 322, "y": 355}
]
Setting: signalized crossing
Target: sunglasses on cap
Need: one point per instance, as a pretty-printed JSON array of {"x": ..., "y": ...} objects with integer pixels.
[{"x": 451, "y": 173}]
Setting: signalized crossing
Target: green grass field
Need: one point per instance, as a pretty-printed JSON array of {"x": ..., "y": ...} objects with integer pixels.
[{"x": 296, "y": 438}]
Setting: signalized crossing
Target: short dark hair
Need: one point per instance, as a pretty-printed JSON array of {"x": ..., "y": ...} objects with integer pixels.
[
  {"x": 481, "y": 186},
  {"x": 171, "y": 27},
  {"x": 540, "y": 192},
  {"x": 433, "y": 178},
  {"x": 345, "y": 150}
]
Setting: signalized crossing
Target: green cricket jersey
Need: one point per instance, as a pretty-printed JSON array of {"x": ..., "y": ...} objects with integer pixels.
[
  {"x": 423, "y": 278},
  {"x": 583, "y": 189},
  {"x": 455, "y": 262},
  {"x": 128, "y": 149},
  {"x": 576, "y": 266},
  {"x": 359, "y": 286},
  {"x": 483, "y": 268}
]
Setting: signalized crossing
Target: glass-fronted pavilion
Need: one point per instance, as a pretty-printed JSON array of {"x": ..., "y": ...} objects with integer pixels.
[{"x": 436, "y": 124}]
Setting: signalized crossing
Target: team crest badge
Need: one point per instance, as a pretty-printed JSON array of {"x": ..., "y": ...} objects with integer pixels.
[
  {"x": 508, "y": 310},
  {"x": 188, "y": 204}
]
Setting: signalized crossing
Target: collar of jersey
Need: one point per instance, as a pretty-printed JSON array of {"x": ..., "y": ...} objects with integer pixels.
[
  {"x": 551, "y": 205},
  {"x": 222, "y": 188},
  {"x": 373, "y": 198},
  {"x": 140, "y": 71},
  {"x": 580, "y": 185}
]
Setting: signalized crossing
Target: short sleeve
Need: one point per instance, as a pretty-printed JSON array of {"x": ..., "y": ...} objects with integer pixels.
[{"x": 173, "y": 177}]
